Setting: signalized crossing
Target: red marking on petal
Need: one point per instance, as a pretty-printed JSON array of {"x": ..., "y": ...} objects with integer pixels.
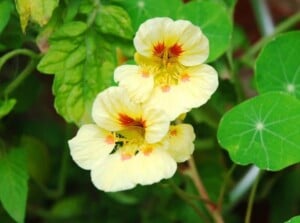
[
  {"x": 185, "y": 78},
  {"x": 166, "y": 88},
  {"x": 110, "y": 139},
  {"x": 158, "y": 49},
  {"x": 147, "y": 150},
  {"x": 125, "y": 120},
  {"x": 173, "y": 132},
  {"x": 125, "y": 156},
  {"x": 176, "y": 50},
  {"x": 145, "y": 73}
]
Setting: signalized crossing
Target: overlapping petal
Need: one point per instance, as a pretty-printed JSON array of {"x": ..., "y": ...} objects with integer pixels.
[
  {"x": 91, "y": 146},
  {"x": 195, "y": 87},
  {"x": 110, "y": 105},
  {"x": 181, "y": 142},
  {"x": 136, "y": 80},
  {"x": 115, "y": 174}
]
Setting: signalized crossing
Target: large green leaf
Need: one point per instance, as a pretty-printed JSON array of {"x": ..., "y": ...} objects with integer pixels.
[
  {"x": 294, "y": 220},
  {"x": 264, "y": 131},
  {"x": 278, "y": 67},
  {"x": 5, "y": 8},
  {"x": 83, "y": 62},
  {"x": 13, "y": 183},
  {"x": 212, "y": 17},
  {"x": 114, "y": 20}
]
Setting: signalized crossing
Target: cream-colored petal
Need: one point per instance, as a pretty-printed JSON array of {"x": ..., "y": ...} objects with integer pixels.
[
  {"x": 91, "y": 146},
  {"x": 153, "y": 167},
  {"x": 150, "y": 33},
  {"x": 198, "y": 86},
  {"x": 136, "y": 80},
  {"x": 181, "y": 144},
  {"x": 156, "y": 124},
  {"x": 113, "y": 174},
  {"x": 171, "y": 101},
  {"x": 110, "y": 104},
  {"x": 194, "y": 43}
]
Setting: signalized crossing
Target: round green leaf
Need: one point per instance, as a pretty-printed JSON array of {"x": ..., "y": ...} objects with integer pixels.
[
  {"x": 278, "y": 67},
  {"x": 294, "y": 220},
  {"x": 264, "y": 131},
  {"x": 215, "y": 21}
]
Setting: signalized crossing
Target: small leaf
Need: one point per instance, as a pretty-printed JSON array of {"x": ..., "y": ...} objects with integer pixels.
[
  {"x": 83, "y": 63},
  {"x": 278, "y": 67},
  {"x": 13, "y": 184},
  {"x": 294, "y": 220},
  {"x": 5, "y": 8},
  {"x": 264, "y": 131},
  {"x": 114, "y": 20},
  {"x": 6, "y": 106},
  {"x": 40, "y": 11}
]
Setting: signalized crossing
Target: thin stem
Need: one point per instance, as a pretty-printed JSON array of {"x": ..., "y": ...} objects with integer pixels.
[
  {"x": 234, "y": 75},
  {"x": 251, "y": 199},
  {"x": 285, "y": 25},
  {"x": 92, "y": 17},
  {"x": 21, "y": 77},
  {"x": 223, "y": 188},
  {"x": 14, "y": 53},
  {"x": 213, "y": 210},
  {"x": 187, "y": 198}
]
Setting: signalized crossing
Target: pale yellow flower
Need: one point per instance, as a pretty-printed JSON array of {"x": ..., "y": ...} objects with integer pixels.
[
  {"x": 170, "y": 74},
  {"x": 129, "y": 144}
]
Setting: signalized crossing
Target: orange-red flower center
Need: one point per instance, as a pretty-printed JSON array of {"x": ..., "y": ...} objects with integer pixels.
[
  {"x": 125, "y": 120},
  {"x": 174, "y": 51}
]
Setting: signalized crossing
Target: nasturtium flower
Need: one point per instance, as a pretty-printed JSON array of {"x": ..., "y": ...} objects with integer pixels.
[
  {"x": 129, "y": 143},
  {"x": 170, "y": 74}
]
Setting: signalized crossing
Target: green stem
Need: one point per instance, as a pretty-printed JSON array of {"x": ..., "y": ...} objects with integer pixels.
[
  {"x": 92, "y": 17},
  {"x": 235, "y": 78},
  {"x": 21, "y": 77},
  {"x": 223, "y": 188},
  {"x": 213, "y": 210},
  {"x": 285, "y": 25},
  {"x": 14, "y": 53},
  {"x": 187, "y": 198},
  {"x": 251, "y": 199}
]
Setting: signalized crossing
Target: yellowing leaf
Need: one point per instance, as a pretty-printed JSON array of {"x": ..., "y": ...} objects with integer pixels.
[{"x": 39, "y": 11}]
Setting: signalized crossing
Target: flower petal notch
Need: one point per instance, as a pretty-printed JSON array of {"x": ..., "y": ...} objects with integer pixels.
[
  {"x": 170, "y": 74},
  {"x": 129, "y": 143}
]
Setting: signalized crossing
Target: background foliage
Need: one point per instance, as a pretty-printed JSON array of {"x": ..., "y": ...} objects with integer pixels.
[{"x": 252, "y": 120}]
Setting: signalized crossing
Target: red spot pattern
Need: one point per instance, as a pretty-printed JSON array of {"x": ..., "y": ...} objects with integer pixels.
[
  {"x": 165, "y": 88},
  {"x": 158, "y": 49},
  {"x": 173, "y": 132},
  {"x": 175, "y": 50},
  {"x": 110, "y": 139},
  {"x": 185, "y": 78},
  {"x": 125, "y": 120}
]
